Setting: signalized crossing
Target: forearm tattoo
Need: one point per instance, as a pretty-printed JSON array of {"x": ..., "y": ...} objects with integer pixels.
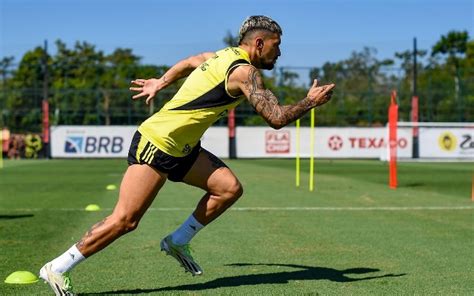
[{"x": 266, "y": 104}]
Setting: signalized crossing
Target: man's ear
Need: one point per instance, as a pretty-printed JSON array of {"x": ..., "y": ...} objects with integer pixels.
[{"x": 259, "y": 42}]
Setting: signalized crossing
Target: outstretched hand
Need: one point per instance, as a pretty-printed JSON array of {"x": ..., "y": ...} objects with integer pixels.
[
  {"x": 145, "y": 87},
  {"x": 320, "y": 94}
]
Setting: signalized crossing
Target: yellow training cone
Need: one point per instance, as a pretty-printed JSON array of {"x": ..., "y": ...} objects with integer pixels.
[
  {"x": 111, "y": 187},
  {"x": 92, "y": 208},
  {"x": 21, "y": 277}
]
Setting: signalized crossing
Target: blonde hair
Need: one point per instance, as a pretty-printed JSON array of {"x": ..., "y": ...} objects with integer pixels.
[{"x": 258, "y": 22}]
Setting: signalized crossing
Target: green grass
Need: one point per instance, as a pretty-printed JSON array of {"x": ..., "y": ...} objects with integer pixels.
[{"x": 351, "y": 236}]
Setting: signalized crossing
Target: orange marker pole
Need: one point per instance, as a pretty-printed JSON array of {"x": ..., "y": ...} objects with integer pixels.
[
  {"x": 311, "y": 157},
  {"x": 392, "y": 126},
  {"x": 298, "y": 164},
  {"x": 472, "y": 188},
  {"x": 1, "y": 151}
]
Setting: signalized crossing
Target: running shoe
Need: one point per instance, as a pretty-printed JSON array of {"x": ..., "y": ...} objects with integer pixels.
[
  {"x": 59, "y": 282},
  {"x": 182, "y": 254}
]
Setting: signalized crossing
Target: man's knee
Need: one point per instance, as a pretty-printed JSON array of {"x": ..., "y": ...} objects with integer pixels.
[
  {"x": 238, "y": 190},
  {"x": 233, "y": 191}
]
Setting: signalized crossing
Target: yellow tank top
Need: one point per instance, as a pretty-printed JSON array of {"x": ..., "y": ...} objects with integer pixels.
[{"x": 201, "y": 101}]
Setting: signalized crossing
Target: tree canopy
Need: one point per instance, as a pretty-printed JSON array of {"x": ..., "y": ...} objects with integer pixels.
[{"x": 86, "y": 86}]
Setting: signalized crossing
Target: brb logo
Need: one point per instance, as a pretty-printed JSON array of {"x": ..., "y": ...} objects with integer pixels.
[
  {"x": 93, "y": 144},
  {"x": 73, "y": 145}
]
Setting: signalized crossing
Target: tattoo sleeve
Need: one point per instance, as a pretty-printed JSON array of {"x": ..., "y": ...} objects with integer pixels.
[{"x": 266, "y": 104}]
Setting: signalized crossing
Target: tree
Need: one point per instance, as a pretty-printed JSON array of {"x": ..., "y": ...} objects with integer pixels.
[
  {"x": 87, "y": 86},
  {"x": 454, "y": 45},
  {"x": 230, "y": 40},
  {"x": 74, "y": 76},
  {"x": 405, "y": 83},
  {"x": 359, "y": 81},
  {"x": 24, "y": 97},
  {"x": 119, "y": 68},
  {"x": 406, "y": 63},
  {"x": 5, "y": 65}
]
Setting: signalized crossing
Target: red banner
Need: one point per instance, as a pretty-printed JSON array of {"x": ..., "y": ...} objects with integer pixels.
[{"x": 392, "y": 126}]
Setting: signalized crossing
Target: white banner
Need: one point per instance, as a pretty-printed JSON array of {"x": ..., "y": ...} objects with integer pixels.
[
  {"x": 329, "y": 142},
  {"x": 91, "y": 141},
  {"x": 352, "y": 142},
  {"x": 114, "y": 141},
  {"x": 443, "y": 142}
]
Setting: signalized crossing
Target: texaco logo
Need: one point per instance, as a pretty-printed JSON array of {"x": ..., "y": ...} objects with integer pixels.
[{"x": 335, "y": 143}]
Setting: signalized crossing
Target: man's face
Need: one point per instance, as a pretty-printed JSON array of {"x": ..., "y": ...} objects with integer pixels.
[{"x": 270, "y": 51}]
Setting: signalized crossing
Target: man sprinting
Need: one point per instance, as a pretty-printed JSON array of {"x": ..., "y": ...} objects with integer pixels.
[{"x": 167, "y": 145}]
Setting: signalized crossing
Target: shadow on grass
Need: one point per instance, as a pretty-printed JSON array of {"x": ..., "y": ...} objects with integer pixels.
[
  {"x": 414, "y": 184},
  {"x": 9, "y": 217},
  {"x": 283, "y": 277}
]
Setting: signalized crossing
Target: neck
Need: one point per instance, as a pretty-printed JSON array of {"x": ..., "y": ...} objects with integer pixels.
[{"x": 252, "y": 52}]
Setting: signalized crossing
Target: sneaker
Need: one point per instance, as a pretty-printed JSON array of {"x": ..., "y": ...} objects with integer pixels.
[
  {"x": 59, "y": 282},
  {"x": 182, "y": 254}
]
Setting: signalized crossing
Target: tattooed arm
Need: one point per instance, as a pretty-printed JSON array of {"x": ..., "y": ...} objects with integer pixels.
[
  {"x": 250, "y": 82},
  {"x": 150, "y": 87}
]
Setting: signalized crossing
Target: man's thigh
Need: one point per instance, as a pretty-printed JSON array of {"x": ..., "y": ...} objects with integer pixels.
[
  {"x": 138, "y": 189},
  {"x": 210, "y": 173}
]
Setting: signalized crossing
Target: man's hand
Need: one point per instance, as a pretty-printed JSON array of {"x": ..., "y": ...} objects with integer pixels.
[
  {"x": 320, "y": 95},
  {"x": 147, "y": 87}
]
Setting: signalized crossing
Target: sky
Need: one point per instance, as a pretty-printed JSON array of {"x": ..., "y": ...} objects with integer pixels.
[{"x": 163, "y": 32}]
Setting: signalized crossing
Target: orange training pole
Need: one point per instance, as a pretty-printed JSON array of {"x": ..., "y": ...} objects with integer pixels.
[{"x": 392, "y": 125}]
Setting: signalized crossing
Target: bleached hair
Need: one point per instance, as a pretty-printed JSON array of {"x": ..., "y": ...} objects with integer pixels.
[{"x": 258, "y": 22}]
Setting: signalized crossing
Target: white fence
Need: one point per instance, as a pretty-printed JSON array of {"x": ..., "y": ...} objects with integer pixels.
[{"x": 261, "y": 142}]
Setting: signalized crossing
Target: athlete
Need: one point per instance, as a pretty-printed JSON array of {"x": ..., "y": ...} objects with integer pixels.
[{"x": 167, "y": 145}]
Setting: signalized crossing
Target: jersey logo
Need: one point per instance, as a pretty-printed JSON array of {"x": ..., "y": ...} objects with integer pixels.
[
  {"x": 204, "y": 66},
  {"x": 235, "y": 50}
]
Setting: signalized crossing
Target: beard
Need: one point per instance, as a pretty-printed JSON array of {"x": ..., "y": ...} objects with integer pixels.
[{"x": 268, "y": 65}]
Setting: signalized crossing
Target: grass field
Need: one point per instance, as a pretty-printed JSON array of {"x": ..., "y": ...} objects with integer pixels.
[{"x": 351, "y": 236}]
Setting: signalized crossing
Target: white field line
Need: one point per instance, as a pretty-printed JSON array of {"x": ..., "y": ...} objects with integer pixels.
[{"x": 248, "y": 209}]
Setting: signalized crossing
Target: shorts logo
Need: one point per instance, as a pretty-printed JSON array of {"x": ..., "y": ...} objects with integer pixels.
[
  {"x": 186, "y": 149},
  {"x": 74, "y": 145},
  {"x": 447, "y": 141}
]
